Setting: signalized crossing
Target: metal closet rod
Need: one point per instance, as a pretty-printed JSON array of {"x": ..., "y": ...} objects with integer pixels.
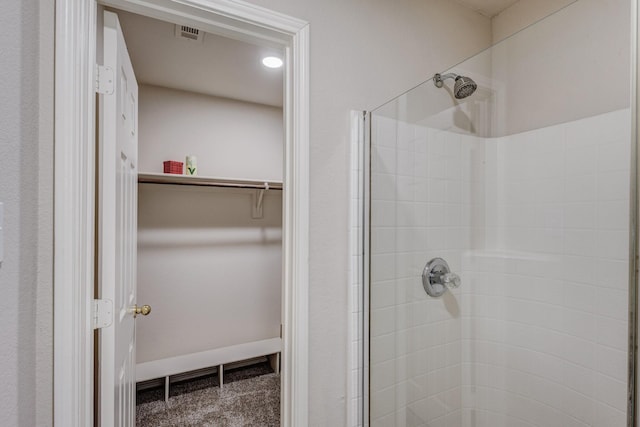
[{"x": 168, "y": 179}]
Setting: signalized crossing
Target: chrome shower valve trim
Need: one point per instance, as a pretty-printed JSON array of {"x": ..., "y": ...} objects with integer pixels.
[{"x": 437, "y": 278}]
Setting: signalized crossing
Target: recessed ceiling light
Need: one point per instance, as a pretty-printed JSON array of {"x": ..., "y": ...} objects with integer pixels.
[{"x": 272, "y": 62}]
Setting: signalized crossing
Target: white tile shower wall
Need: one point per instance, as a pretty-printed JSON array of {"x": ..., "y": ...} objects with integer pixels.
[
  {"x": 537, "y": 223},
  {"x": 427, "y": 196},
  {"x": 544, "y": 330}
]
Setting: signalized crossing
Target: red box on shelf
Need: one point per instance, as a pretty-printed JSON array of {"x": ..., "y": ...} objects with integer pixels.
[{"x": 173, "y": 167}]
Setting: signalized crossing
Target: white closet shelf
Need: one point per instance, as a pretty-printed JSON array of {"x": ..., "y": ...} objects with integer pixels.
[{"x": 207, "y": 181}]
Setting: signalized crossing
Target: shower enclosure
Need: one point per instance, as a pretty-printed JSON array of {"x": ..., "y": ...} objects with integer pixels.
[{"x": 499, "y": 287}]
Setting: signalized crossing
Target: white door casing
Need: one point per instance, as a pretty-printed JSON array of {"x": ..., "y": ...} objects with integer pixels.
[
  {"x": 75, "y": 53},
  {"x": 117, "y": 229}
]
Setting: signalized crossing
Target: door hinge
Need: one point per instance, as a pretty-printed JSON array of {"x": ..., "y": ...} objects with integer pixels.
[
  {"x": 102, "y": 313},
  {"x": 104, "y": 80}
]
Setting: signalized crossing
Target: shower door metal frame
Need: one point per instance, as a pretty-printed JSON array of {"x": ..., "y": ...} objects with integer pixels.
[
  {"x": 366, "y": 266},
  {"x": 632, "y": 378}
]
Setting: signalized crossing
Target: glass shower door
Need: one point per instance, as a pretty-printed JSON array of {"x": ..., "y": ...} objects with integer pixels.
[
  {"x": 424, "y": 186},
  {"x": 524, "y": 192}
]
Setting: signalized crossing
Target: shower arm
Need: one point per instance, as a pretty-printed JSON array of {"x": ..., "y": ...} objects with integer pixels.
[{"x": 438, "y": 79}]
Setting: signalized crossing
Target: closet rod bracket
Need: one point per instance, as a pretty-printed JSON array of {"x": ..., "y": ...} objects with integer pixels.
[{"x": 258, "y": 198}]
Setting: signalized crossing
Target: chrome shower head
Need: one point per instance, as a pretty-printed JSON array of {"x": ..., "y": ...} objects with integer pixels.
[{"x": 463, "y": 87}]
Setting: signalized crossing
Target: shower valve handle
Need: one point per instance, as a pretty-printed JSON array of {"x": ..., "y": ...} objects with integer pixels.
[{"x": 451, "y": 280}]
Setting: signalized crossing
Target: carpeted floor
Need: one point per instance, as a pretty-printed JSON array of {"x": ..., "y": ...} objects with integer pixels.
[{"x": 250, "y": 397}]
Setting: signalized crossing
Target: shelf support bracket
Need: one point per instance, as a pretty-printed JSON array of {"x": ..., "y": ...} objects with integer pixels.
[{"x": 258, "y": 198}]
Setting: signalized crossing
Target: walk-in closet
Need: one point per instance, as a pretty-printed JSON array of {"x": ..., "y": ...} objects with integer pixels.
[{"x": 209, "y": 226}]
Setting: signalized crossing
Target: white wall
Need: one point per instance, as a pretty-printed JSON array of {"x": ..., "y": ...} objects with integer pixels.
[
  {"x": 571, "y": 65},
  {"x": 44, "y": 316},
  {"x": 362, "y": 54},
  {"x": 26, "y": 148},
  {"x": 230, "y": 138},
  {"x": 211, "y": 273},
  {"x": 522, "y": 14}
]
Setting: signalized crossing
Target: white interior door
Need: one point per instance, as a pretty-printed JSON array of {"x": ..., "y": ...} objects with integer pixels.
[{"x": 118, "y": 165}]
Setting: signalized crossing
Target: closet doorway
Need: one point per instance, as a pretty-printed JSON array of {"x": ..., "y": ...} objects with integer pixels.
[
  {"x": 77, "y": 40},
  {"x": 206, "y": 112}
]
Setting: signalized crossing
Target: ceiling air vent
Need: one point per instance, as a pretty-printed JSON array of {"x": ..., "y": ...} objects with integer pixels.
[{"x": 189, "y": 33}]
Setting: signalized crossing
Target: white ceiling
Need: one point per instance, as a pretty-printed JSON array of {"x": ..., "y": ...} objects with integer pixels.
[
  {"x": 216, "y": 66},
  {"x": 488, "y": 8}
]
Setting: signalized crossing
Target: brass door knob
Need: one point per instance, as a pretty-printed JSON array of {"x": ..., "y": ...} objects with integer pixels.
[{"x": 144, "y": 310}]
